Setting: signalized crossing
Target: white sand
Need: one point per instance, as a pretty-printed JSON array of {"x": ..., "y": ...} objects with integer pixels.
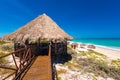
[{"x": 111, "y": 53}]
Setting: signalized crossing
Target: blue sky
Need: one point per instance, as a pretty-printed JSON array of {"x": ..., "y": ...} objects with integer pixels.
[{"x": 79, "y": 18}]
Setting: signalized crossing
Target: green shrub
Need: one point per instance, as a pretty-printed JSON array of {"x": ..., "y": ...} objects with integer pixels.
[
  {"x": 61, "y": 71},
  {"x": 59, "y": 78},
  {"x": 2, "y": 42},
  {"x": 1, "y": 53},
  {"x": 7, "y": 47},
  {"x": 116, "y": 62},
  {"x": 2, "y": 60},
  {"x": 100, "y": 67},
  {"x": 84, "y": 53},
  {"x": 96, "y": 63}
]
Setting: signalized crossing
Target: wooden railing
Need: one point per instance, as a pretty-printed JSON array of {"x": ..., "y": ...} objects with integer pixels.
[
  {"x": 25, "y": 58},
  {"x": 23, "y": 62},
  {"x": 49, "y": 54},
  {"x": 54, "y": 74}
]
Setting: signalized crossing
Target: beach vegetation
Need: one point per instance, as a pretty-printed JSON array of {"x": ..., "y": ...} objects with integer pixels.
[
  {"x": 93, "y": 54},
  {"x": 84, "y": 53},
  {"x": 61, "y": 71},
  {"x": 71, "y": 51},
  {"x": 72, "y": 65},
  {"x": 79, "y": 66},
  {"x": 2, "y": 60},
  {"x": 1, "y": 53},
  {"x": 6, "y": 71},
  {"x": 94, "y": 77},
  {"x": 2, "y": 42},
  {"x": 116, "y": 63},
  {"x": 59, "y": 78},
  {"x": 100, "y": 67},
  {"x": 7, "y": 47},
  {"x": 96, "y": 63},
  {"x": 5, "y": 63},
  {"x": 93, "y": 62},
  {"x": 69, "y": 63}
]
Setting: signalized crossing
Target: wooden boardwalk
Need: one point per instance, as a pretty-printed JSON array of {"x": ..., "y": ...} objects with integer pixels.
[{"x": 40, "y": 69}]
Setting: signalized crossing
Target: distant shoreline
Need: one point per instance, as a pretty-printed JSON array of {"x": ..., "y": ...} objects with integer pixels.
[
  {"x": 105, "y": 42},
  {"x": 111, "y": 52},
  {"x": 116, "y": 48},
  {"x": 108, "y": 47}
]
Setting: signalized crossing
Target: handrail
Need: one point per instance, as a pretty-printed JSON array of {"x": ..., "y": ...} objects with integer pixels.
[
  {"x": 18, "y": 76},
  {"x": 49, "y": 54},
  {"x": 52, "y": 65},
  {"x": 12, "y": 53},
  {"x": 25, "y": 58},
  {"x": 9, "y": 75}
]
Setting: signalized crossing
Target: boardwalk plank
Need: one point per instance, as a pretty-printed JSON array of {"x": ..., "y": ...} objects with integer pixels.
[{"x": 40, "y": 69}]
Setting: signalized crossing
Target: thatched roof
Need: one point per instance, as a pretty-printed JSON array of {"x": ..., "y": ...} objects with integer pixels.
[{"x": 42, "y": 27}]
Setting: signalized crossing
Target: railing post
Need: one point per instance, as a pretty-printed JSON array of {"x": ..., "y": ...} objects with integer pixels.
[
  {"x": 49, "y": 54},
  {"x": 56, "y": 47},
  {"x": 25, "y": 58}
]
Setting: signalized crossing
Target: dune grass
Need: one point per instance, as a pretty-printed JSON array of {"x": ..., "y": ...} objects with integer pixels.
[
  {"x": 96, "y": 63},
  {"x": 92, "y": 53},
  {"x": 2, "y": 42},
  {"x": 100, "y": 66},
  {"x": 2, "y": 60},
  {"x": 59, "y": 78},
  {"x": 9, "y": 47},
  {"x": 5, "y": 47},
  {"x": 61, "y": 71}
]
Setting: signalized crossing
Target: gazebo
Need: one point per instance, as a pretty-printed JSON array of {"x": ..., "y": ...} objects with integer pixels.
[{"x": 43, "y": 28}]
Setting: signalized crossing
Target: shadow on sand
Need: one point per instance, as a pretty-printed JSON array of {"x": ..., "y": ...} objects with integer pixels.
[{"x": 61, "y": 58}]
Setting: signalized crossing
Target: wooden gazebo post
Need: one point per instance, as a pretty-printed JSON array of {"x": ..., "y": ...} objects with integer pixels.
[
  {"x": 14, "y": 45},
  {"x": 65, "y": 46},
  {"x": 27, "y": 43},
  {"x": 55, "y": 46},
  {"x": 49, "y": 48},
  {"x": 38, "y": 43}
]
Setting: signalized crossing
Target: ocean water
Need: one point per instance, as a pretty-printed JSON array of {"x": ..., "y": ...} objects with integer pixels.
[{"x": 114, "y": 43}]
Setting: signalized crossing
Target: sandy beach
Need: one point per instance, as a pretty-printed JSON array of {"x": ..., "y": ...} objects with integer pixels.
[{"x": 111, "y": 53}]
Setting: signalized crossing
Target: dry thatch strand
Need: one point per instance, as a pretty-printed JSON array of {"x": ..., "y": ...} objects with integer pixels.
[{"x": 43, "y": 27}]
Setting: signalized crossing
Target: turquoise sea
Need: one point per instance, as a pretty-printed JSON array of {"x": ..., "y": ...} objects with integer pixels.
[{"x": 114, "y": 43}]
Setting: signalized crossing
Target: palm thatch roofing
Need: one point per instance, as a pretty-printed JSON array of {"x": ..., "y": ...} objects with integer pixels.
[{"x": 43, "y": 27}]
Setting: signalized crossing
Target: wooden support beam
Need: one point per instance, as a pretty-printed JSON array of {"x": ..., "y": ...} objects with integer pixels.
[
  {"x": 15, "y": 45},
  {"x": 38, "y": 42},
  {"x": 49, "y": 52},
  {"x": 65, "y": 46},
  {"x": 56, "y": 46}
]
